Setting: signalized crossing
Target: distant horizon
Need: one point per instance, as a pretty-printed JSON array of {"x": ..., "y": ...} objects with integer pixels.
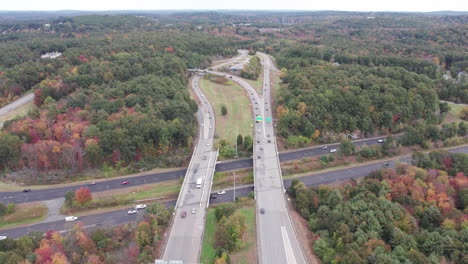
[
  {"x": 213, "y": 5},
  {"x": 234, "y": 10}
]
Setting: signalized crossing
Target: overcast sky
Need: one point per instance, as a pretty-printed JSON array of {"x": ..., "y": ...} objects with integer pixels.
[{"x": 346, "y": 5}]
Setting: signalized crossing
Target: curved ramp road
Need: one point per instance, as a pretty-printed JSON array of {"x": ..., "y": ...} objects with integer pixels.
[
  {"x": 121, "y": 216},
  {"x": 186, "y": 234}
]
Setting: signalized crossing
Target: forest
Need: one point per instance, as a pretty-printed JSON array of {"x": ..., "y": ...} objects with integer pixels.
[
  {"x": 116, "y": 99},
  {"x": 403, "y": 215},
  {"x": 118, "y": 93}
]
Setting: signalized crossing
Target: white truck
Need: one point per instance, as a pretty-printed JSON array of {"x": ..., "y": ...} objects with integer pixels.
[{"x": 199, "y": 182}]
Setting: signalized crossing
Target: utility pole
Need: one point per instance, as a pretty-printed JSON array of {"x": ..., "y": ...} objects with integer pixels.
[
  {"x": 236, "y": 156},
  {"x": 234, "y": 186}
]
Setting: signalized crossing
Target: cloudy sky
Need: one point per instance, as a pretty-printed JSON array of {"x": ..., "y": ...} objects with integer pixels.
[{"x": 347, "y": 5}]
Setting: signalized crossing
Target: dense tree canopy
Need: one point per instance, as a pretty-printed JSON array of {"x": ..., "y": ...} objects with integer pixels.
[{"x": 390, "y": 217}]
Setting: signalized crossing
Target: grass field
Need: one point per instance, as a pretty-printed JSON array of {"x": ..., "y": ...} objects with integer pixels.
[
  {"x": 24, "y": 214},
  {"x": 238, "y": 119},
  {"x": 276, "y": 80},
  {"x": 119, "y": 198},
  {"x": 18, "y": 112},
  {"x": 247, "y": 254}
]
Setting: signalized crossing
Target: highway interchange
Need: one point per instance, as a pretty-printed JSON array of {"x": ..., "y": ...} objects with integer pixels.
[
  {"x": 276, "y": 236},
  {"x": 121, "y": 216}
]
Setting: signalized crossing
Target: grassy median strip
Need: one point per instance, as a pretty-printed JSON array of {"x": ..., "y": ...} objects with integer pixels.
[
  {"x": 208, "y": 253},
  {"x": 238, "y": 119},
  {"x": 24, "y": 214},
  {"x": 247, "y": 252},
  {"x": 116, "y": 199}
]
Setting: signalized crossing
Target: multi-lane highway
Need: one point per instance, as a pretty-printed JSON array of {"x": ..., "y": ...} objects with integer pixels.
[
  {"x": 105, "y": 185},
  {"x": 121, "y": 216},
  {"x": 186, "y": 234},
  {"x": 276, "y": 237}
]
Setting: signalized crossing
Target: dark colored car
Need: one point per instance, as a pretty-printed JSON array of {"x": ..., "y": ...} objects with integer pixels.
[
  {"x": 213, "y": 197},
  {"x": 262, "y": 210},
  {"x": 124, "y": 183},
  {"x": 184, "y": 214},
  {"x": 27, "y": 190}
]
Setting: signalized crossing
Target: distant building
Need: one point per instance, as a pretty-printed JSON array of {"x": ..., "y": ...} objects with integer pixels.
[{"x": 51, "y": 55}]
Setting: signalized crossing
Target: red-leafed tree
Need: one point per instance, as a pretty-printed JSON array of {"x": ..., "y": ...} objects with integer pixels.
[
  {"x": 38, "y": 97},
  {"x": 83, "y": 195},
  {"x": 169, "y": 49},
  {"x": 44, "y": 253}
]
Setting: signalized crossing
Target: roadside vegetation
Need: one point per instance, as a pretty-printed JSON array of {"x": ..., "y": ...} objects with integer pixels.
[
  {"x": 17, "y": 113},
  {"x": 82, "y": 200},
  {"x": 17, "y": 214},
  {"x": 130, "y": 243},
  {"x": 230, "y": 233},
  {"x": 407, "y": 214}
]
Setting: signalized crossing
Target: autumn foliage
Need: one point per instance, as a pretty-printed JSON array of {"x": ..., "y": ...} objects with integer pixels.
[
  {"x": 83, "y": 195},
  {"x": 390, "y": 214}
]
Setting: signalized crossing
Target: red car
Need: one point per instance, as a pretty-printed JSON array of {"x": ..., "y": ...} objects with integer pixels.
[
  {"x": 124, "y": 183},
  {"x": 184, "y": 214}
]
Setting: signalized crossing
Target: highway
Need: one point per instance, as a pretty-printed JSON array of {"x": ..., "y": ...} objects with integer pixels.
[
  {"x": 105, "y": 185},
  {"x": 276, "y": 237},
  {"x": 121, "y": 216},
  {"x": 186, "y": 234}
]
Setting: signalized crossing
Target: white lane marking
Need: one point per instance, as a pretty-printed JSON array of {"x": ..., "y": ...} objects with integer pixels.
[
  {"x": 68, "y": 230},
  {"x": 290, "y": 258},
  {"x": 206, "y": 177}
]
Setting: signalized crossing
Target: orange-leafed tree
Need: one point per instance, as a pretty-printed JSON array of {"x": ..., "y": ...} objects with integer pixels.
[{"x": 83, "y": 195}]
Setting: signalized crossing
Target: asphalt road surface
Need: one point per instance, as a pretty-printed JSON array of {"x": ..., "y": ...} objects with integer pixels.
[
  {"x": 276, "y": 237},
  {"x": 17, "y": 103},
  {"x": 121, "y": 216},
  {"x": 186, "y": 235}
]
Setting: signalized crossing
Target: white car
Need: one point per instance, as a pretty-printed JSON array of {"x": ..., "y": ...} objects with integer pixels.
[
  {"x": 140, "y": 206},
  {"x": 380, "y": 140},
  {"x": 3, "y": 237},
  {"x": 132, "y": 212},
  {"x": 193, "y": 210},
  {"x": 221, "y": 192},
  {"x": 70, "y": 218},
  {"x": 332, "y": 150}
]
